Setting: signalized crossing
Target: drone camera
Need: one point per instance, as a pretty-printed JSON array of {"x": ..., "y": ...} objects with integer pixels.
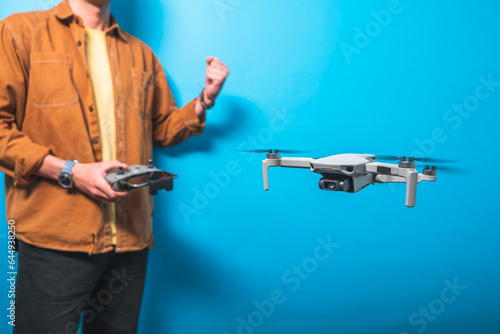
[{"x": 335, "y": 185}]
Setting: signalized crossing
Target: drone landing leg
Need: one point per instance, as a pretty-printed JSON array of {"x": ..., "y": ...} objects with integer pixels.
[
  {"x": 283, "y": 162},
  {"x": 411, "y": 176},
  {"x": 265, "y": 165},
  {"x": 397, "y": 175}
]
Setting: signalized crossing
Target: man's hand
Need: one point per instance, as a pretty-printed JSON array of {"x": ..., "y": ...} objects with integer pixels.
[
  {"x": 91, "y": 180},
  {"x": 88, "y": 178},
  {"x": 217, "y": 73}
]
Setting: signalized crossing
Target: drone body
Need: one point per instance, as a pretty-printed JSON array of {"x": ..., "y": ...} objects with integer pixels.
[{"x": 353, "y": 172}]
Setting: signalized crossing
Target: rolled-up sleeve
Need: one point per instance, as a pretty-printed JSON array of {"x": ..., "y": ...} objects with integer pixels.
[
  {"x": 20, "y": 157},
  {"x": 171, "y": 124}
]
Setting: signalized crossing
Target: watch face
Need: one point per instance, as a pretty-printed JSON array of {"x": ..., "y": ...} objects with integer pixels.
[{"x": 65, "y": 180}]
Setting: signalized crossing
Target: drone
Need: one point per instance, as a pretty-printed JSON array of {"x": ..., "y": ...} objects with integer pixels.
[
  {"x": 352, "y": 172},
  {"x": 139, "y": 176}
]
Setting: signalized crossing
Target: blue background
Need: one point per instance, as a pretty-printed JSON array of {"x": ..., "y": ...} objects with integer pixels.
[{"x": 304, "y": 77}]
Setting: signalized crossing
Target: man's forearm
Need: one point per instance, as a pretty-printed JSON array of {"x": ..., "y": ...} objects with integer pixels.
[{"x": 51, "y": 167}]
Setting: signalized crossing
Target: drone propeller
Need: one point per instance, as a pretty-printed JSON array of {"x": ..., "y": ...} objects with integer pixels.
[
  {"x": 273, "y": 151},
  {"x": 430, "y": 160},
  {"x": 388, "y": 157},
  {"x": 434, "y": 160},
  {"x": 253, "y": 151},
  {"x": 446, "y": 169}
]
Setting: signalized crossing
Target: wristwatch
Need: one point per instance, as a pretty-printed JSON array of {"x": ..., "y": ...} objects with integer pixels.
[
  {"x": 64, "y": 177},
  {"x": 203, "y": 103}
]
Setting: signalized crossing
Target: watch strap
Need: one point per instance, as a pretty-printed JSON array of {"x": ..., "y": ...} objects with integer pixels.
[
  {"x": 68, "y": 166},
  {"x": 203, "y": 103}
]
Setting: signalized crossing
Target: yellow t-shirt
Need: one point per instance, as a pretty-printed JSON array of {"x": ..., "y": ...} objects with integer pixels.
[{"x": 102, "y": 84}]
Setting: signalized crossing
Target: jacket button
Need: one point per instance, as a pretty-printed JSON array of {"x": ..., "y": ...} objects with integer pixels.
[
  {"x": 91, "y": 108},
  {"x": 94, "y": 141},
  {"x": 77, "y": 21},
  {"x": 79, "y": 43}
]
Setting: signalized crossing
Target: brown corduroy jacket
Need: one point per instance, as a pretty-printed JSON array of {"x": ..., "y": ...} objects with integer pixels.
[{"x": 47, "y": 107}]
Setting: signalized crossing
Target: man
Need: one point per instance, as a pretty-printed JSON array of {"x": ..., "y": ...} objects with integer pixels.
[{"x": 79, "y": 96}]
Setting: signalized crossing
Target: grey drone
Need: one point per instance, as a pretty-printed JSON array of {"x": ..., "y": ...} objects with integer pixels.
[{"x": 353, "y": 172}]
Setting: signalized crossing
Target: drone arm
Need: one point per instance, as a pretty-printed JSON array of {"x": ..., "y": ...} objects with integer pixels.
[
  {"x": 423, "y": 177},
  {"x": 296, "y": 162},
  {"x": 384, "y": 178}
]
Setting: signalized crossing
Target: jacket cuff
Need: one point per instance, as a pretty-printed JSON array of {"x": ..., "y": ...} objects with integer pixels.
[
  {"x": 193, "y": 122},
  {"x": 27, "y": 166}
]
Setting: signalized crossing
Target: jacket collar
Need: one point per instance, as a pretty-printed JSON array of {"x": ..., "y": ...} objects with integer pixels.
[{"x": 64, "y": 12}]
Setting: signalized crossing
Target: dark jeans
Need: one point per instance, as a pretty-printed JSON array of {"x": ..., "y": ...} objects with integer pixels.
[{"x": 55, "y": 290}]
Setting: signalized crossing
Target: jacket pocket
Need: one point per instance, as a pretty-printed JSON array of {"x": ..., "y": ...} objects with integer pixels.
[
  {"x": 51, "y": 80},
  {"x": 142, "y": 93}
]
